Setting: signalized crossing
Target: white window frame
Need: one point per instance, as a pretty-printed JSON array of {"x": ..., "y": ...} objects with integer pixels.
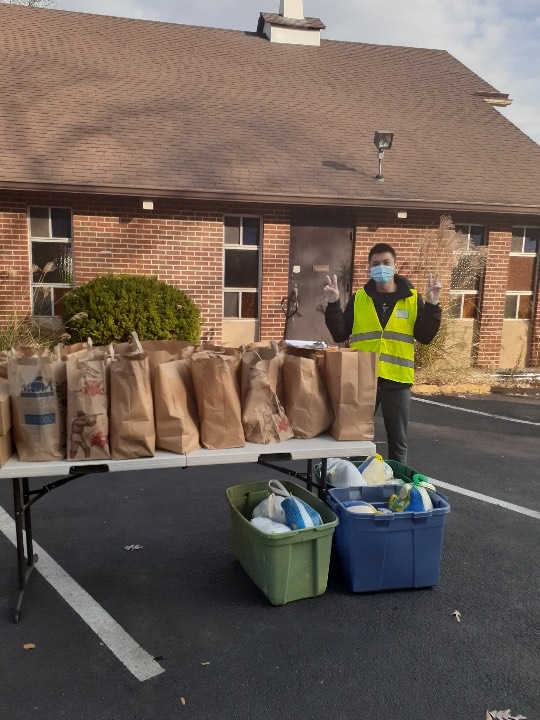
[
  {"x": 244, "y": 248},
  {"x": 524, "y": 254},
  {"x": 50, "y": 239},
  {"x": 468, "y": 234},
  {"x": 461, "y": 294},
  {"x": 519, "y": 293}
]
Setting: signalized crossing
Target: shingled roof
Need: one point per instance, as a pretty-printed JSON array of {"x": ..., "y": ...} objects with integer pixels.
[{"x": 102, "y": 104}]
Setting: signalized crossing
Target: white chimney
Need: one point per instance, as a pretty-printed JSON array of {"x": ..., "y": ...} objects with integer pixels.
[
  {"x": 292, "y": 9},
  {"x": 290, "y": 26}
]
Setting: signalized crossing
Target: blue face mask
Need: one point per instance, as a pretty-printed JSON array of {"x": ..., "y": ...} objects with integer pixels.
[{"x": 382, "y": 274}]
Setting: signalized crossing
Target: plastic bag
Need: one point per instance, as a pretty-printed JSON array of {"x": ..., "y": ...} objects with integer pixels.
[
  {"x": 299, "y": 515},
  {"x": 413, "y": 497},
  {"x": 343, "y": 473},
  {"x": 270, "y": 508},
  {"x": 373, "y": 470},
  {"x": 269, "y": 527}
]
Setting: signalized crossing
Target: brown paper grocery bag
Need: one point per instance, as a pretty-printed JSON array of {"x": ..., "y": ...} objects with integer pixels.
[
  {"x": 215, "y": 379},
  {"x": 3, "y": 364},
  {"x": 263, "y": 416},
  {"x": 5, "y": 407},
  {"x": 307, "y": 404},
  {"x": 87, "y": 406},
  {"x": 162, "y": 351},
  {"x": 351, "y": 379},
  {"x": 268, "y": 358},
  {"x": 37, "y": 420},
  {"x": 175, "y": 408},
  {"x": 131, "y": 418}
]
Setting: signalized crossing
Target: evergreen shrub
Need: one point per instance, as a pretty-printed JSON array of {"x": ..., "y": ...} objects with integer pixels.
[{"x": 108, "y": 309}]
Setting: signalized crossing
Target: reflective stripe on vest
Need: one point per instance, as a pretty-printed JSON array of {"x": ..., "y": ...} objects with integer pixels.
[{"x": 395, "y": 344}]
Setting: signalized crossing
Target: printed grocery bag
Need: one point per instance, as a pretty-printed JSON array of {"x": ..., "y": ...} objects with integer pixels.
[
  {"x": 307, "y": 404},
  {"x": 263, "y": 417},
  {"x": 215, "y": 379},
  {"x": 87, "y": 406},
  {"x": 131, "y": 418},
  {"x": 351, "y": 379},
  {"x": 175, "y": 408},
  {"x": 38, "y": 427}
]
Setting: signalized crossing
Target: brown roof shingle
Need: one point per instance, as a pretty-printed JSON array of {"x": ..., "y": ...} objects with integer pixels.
[{"x": 128, "y": 106}]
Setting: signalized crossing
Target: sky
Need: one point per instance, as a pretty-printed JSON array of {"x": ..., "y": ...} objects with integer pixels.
[{"x": 497, "y": 39}]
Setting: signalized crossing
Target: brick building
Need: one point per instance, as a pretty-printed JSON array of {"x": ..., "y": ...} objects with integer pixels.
[{"x": 241, "y": 167}]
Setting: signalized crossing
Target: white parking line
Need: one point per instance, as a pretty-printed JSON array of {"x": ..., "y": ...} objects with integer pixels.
[
  {"x": 132, "y": 655},
  {"x": 476, "y": 412},
  {"x": 486, "y": 498}
]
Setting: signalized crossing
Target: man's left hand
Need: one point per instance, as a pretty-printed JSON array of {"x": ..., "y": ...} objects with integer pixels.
[{"x": 433, "y": 291}]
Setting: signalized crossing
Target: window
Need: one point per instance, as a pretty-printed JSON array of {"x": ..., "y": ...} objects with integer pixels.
[
  {"x": 463, "y": 305},
  {"x": 518, "y": 306},
  {"x": 242, "y": 240},
  {"x": 50, "y": 254},
  {"x": 525, "y": 240},
  {"x": 475, "y": 234},
  {"x": 467, "y": 274}
]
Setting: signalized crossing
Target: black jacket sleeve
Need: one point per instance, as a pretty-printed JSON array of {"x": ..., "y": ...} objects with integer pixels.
[
  {"x": 339, "y": 322},
  {"x": 428, "y": 321}
]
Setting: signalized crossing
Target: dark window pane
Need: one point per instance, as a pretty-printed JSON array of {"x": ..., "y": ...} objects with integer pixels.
[
  {"x": 51, "y": 262},
  {"x": 230, "y": 304},
  {"x": 469, "y": 306},
  {"x": 521, "y": 271},
  {"x": 478, "y": 236},
  {"x": 39, "y": 222},
  {"x": 517, "y": 240},
  {"x": 531, "y": 240},
  {"x": 242, "y": 268},
  {"x": 61, "y": 222},
  {"x": 463, "y": 229},
  {"x": 232, "y": 230},
  {"x": 250, "y": 305},
  {"x": 510, "y": 306},
  {"x": 42, "y": 301},
  {"x": 466, "y": 276},
  {"x": 59, "y": 295},
  {"x": 525, "y": 307},
  {"x": 454, "y": 307},
  {"x": 251, "y": 231}
]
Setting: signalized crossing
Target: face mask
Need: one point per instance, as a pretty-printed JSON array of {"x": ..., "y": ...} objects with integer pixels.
[{"x": 382, "y": 274}]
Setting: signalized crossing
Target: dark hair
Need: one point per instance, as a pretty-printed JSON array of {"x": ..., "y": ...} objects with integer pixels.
[{"x": 381, "y": 248}]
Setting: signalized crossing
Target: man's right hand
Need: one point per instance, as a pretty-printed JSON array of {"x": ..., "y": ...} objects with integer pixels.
[{"x": 331, "y": 292}]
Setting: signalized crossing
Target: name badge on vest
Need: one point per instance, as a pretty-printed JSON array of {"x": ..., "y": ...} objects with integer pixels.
[{"x": 402, "y": 314}]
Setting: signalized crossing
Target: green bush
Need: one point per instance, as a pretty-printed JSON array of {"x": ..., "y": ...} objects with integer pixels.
[{"x": 109, "y": 308}]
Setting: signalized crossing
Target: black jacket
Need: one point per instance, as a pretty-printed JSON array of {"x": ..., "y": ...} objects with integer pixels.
[{"x": 428, "y": 319}]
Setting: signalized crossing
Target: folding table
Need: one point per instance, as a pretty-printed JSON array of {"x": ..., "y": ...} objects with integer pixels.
[{"x": 64, "y": 471}]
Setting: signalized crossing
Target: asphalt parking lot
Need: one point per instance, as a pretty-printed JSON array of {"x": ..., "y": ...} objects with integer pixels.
[{"x": 227, "y": 653}]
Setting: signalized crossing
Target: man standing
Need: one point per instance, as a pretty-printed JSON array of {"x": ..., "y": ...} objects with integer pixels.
[{"x": 386, "y": 317}]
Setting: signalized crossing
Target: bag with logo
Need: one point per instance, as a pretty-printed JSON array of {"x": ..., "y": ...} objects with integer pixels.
[
  {"x": 87, "y": 406},
  {"x": 37, "y": 418}
]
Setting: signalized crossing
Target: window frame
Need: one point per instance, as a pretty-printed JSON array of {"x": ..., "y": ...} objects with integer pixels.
[
  {"x": 42, "y": 239},
  {"x": 473, "y": 225},
  {"x": 243, "y": 248},
  {"x": 518, "y": 294},
  {"x": 461, "y": 294},
  {"x": 515, "y": 253}
]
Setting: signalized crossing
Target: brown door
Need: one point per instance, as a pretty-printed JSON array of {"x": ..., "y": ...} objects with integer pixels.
[{"x": 322, "y": 244}]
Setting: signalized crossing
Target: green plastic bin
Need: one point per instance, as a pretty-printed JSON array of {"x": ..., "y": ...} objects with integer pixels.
[{"x": 284, "y": 567}]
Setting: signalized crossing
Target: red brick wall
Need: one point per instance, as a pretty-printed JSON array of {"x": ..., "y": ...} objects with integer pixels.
[{"x": 181, "y": 243}]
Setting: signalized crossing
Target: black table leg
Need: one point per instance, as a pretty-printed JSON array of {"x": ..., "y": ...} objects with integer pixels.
[{"x": 23, "y": 520}]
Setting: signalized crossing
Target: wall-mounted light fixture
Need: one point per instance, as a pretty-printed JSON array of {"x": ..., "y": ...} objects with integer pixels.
[
  {"x": 402, "y": 214},
  {"x": 147, "y": 204},
  {"x": 382, "y": 141}
]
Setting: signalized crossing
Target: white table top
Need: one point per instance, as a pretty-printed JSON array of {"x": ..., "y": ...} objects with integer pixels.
[{"x": 322, "y": 446}]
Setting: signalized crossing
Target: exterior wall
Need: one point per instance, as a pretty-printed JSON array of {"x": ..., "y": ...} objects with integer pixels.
[
  {"x": 514, "y": 343},
  {"x": 181, "y": 243}
]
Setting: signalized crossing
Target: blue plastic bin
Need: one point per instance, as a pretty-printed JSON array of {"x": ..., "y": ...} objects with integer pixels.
[{"x": 390, "y": 551}]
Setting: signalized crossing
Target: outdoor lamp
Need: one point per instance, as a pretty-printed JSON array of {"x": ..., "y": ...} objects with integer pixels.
[{"x": 382, "y": 141}]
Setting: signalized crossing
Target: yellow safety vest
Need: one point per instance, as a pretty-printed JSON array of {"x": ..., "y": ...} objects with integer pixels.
[{"x": 395, "y": 344}]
